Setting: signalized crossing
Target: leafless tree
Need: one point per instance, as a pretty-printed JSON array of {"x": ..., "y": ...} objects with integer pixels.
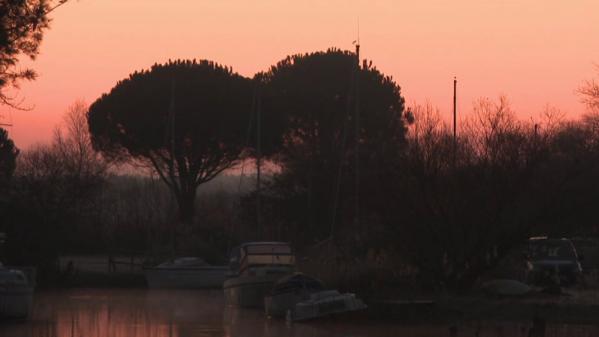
[
  {"x": 493, "y": 129},
  {"x": 551, "y": 121},
  {"x": 73, "y": 142},
  {"x": 429, "y": 138},
  {"x": 590, "y": 94},
  {"x": 70, "y": 154}
]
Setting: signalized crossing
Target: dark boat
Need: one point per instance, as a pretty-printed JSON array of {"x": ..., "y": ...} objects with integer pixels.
[
  {"x": 16, "y": 289},
  {"x": 301, "y": 297},
  {"x": 16, "y": 293}
]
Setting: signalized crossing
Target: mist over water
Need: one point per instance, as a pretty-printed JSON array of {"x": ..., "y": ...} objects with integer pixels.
[{"x": 165, "y": 313}]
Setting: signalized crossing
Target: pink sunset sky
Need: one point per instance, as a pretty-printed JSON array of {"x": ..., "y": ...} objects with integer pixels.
[{"x": 537, "y": 52}]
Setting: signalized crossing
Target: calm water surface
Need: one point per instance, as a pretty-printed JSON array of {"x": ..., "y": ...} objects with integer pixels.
[{"x": 162, "y": 313}]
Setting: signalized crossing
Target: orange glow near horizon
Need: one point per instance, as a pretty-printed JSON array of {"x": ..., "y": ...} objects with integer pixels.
[{"x": 537, "y": 52}]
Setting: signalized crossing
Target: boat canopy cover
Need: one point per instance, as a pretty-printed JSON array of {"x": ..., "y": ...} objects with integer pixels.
[{"x": 295, "y": 283}]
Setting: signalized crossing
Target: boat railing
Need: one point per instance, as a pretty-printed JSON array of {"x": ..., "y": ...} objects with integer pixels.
[{"x": 122, "y": 261}]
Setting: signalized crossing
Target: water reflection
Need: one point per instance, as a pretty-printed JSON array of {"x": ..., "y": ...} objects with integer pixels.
[{"x": 145, "y": 313}]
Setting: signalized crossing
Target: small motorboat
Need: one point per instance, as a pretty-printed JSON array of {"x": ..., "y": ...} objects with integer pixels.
[
  {"x": 501, "y": 287},
  {"x": 185, "y": 273},
  {"x": 16, "y": 293},
  {"x": 299, "y": 297}
]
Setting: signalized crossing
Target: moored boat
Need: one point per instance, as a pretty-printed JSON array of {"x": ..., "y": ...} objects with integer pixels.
[
  {"x": 300, "y": 297},
  {"x": 16, "y": 293},
  {"x": 254, "y": 269},
  {"x": 185, "y": 273}
]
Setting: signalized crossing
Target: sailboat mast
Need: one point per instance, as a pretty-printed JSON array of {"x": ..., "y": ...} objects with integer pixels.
[
  {"x": 357, "y": 140},
  {"x": 171, "y": 135},
  {"x": 259, "y": 163},
  {"x": 172, "y": 121}
]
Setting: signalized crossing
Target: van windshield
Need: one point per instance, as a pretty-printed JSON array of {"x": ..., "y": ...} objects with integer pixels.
[{"x": 552, "y": 250}]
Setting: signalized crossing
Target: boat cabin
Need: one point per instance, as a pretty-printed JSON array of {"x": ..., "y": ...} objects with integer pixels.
[{"x": 254, "y": 255}]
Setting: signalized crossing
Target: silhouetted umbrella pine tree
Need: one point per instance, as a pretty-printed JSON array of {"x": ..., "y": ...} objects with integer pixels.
[
  {"x": 185, "y": 119},
  {"x": 311, "y": 100}
]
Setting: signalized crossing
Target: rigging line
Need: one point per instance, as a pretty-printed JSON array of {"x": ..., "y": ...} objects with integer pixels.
[
  {"x": 259, "y": 161},
  {"x": 170, "y": 136},
  {"x": 247, "y": 139},
  {"x": 171, "y": 126},
  {"x": 343, "y": 143},
  {"x": 247, "y": 142},
  {"x": 168, "y": 119}
]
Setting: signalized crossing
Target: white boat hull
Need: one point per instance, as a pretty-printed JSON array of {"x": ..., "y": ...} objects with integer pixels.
[
  {"x": 186, "y": 278},
  {"x": 325, "y": 303},
  {"x": 298, "y": 306}
]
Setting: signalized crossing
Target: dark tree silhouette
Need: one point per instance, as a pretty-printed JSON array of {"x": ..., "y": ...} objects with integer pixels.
[
  {"x": 8, "y": 157},
  {"x": 590, "y": 94},
  {"x": 310, "y": 100},
  {"x": 185, "y": 119},
  {"x": 458, "y": 218},
  {"x": 52, "y": 201},
  {"x": 22, "y": 24}
]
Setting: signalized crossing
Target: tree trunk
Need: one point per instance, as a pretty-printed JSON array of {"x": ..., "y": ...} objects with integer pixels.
[{"x": 186, "y": 201}]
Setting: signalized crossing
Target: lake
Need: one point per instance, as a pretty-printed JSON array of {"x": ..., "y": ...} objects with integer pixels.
[{"x": 178, "y": 313}]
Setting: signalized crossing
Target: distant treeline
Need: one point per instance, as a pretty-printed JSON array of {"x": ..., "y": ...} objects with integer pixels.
[{"x": 353, "y": 174}]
